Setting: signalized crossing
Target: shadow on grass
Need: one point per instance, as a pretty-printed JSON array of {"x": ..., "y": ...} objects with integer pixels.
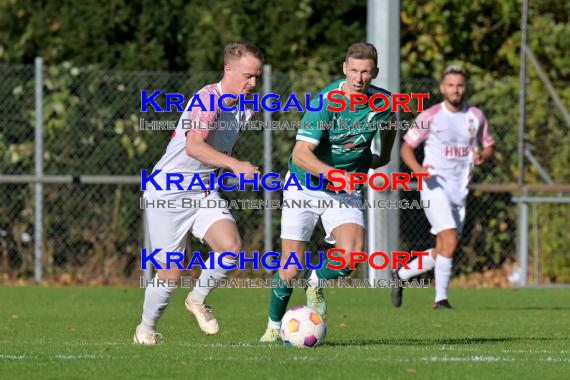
[{"x": 431, "y": 342}]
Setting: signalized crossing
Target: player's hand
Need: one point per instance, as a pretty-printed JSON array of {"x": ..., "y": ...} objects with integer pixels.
[
  {"x": 478, "y": 158},
  {"x": 429, "y": 170},
  {"x": 347, "y": 187},
  {"x": 246, "y": 168},
  {"x": 375, "y": 163}
]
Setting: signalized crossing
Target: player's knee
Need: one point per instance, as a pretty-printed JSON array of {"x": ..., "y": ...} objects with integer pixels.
[
  {"x": 353, "y": 244},
  {"x": 171, "y": 275},
  {"x": 232, "y": 245},
  {"x": 449, "y": 244}
]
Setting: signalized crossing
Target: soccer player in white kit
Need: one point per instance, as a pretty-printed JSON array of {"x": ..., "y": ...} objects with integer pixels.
[
  {"x": 203, "y": 150},
  {"x": 457, "y": 140}
]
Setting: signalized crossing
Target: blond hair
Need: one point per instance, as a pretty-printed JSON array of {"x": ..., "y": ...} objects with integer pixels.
[{"x": 239, "y": 49}]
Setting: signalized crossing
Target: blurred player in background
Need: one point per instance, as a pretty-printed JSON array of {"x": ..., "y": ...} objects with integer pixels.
[
  {"x": 457, "y": 140},
  {"x": 345, "y": 146},
  {"x": 203, "y": 151}
]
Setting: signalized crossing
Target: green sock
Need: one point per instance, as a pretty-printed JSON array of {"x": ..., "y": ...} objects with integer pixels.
[
  {"x": 279, "y": 300},
  {"x": 330, "y": 274}
]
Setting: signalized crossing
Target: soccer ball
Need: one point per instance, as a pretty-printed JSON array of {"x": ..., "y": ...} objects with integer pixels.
[{"x": 303, "y": 326}]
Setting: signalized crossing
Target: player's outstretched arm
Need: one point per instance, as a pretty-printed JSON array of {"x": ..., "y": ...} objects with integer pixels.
[{"x": 198, "y": 148}]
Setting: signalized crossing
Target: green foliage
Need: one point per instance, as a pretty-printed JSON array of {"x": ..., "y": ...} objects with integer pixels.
[{"x": 176, "y": 34}]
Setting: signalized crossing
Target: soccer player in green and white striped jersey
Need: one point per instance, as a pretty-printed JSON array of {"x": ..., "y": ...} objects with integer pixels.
[{"x": 346, "y": 146}]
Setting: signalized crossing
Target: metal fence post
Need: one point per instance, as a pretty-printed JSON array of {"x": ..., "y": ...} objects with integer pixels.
[
  {"x": 383, "y": 30},
  {"x": 535, "y": 244},
  {"x": 523, "y": 206},
  {"x": 38, "y": 158},
  {"x": 523, "y": 241},
  {"x": 267, "y": 163},
  {"x": 148, "y": 271}
]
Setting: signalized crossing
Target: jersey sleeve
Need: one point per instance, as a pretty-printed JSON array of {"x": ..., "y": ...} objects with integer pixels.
[
  {"x": 415, "y": 136},
  {"x": 202, "y": 118},
  {"x": 311, "y": 130}
]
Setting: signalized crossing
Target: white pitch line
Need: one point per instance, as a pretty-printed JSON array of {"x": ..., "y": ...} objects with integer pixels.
[
  {"x": 549, "y": 359},
  {"x": 80, "y": 357},
  {"x": 55, "y": 357},
  {"x": 218, "y": 345},
  {"x": 15, "y": 357},
  {"x": 475, "y": 358},
  {"x": 530, "y": 351}
]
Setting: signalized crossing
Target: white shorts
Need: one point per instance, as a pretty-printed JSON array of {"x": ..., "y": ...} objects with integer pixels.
[
  {"x": 298, "y": 223},
  {"x": 442, "y": 214},
  {"x": 168, "y": 227}
]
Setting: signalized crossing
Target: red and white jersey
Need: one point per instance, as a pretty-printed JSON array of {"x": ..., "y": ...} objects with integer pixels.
[
  {"x": 450, "y": 141},
  {"x": 175, "y": 159}
]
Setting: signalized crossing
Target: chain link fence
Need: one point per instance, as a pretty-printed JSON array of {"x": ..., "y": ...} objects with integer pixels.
[
  {"x": 91, "y": 127},
  {"x": 16, "y": 150}
]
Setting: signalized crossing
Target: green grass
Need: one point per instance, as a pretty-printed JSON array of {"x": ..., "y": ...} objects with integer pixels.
[{"x": 56, "y": 333}]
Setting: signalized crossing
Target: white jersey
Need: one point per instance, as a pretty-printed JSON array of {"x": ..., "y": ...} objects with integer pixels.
[
  {"x": 450, "y": 141},
  {"x": 206, "y": 123}
]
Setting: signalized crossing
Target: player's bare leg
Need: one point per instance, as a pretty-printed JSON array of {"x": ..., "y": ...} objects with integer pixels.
[
  {"x": 288, "y": 246},
  {"x": 280, "y": 295},
  {"x": 447, "y": 243},
  {"x": 349, "y": 236},
  {"x": 222, "y": 236},
  {"x": 155, "y": 302}
]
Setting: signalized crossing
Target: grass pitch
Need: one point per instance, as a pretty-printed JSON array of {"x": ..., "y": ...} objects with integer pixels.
[{"x": 85, "y": 333}]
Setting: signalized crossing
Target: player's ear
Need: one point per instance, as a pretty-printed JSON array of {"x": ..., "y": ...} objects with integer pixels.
[
  {"x": 375, "y": 72},
  {"x": 227, "y": 68},
  {"x": 344, "y": 68}
]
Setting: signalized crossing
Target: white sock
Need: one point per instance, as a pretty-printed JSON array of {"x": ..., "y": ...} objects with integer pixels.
[
  {"x": 156, "y": 299},
  {"x": 442, "y": 276},
  {"x": 273, "y": 325},
  {"x": 428, "y": 264},
  {"x": 205, "y": 287},
  {"x": 313, "y": 280}
]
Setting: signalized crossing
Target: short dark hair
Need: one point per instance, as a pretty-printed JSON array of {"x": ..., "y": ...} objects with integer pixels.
[
  {"x": 239, "y": 49},
  {"x": 362, "y": 50},
  {"x": 454, "y": 69}
]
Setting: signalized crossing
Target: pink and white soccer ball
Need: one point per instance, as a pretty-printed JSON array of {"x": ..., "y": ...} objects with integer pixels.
[{"x": 303, "y": 326}]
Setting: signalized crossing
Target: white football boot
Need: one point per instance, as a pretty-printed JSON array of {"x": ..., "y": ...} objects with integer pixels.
[
  {"x": 270, "y": 336},
  {"x": 147, "y": 338},
  {"x": 205, "y": 317}
]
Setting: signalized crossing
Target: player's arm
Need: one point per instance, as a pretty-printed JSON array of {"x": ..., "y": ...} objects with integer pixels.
[
  {"x": 307, "y": 141},
  {"x": 412, "y": 139},
  {"x": 197, "y": 147},
  {"x": 485, "y": 140},
  {"x": 409, "y": 157},
  {"x": 308, "y": 138},
  {"x": 388, "y": 139},
  {"x": 304, "y": 157},
  {"x": 481, "y": 156}
]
